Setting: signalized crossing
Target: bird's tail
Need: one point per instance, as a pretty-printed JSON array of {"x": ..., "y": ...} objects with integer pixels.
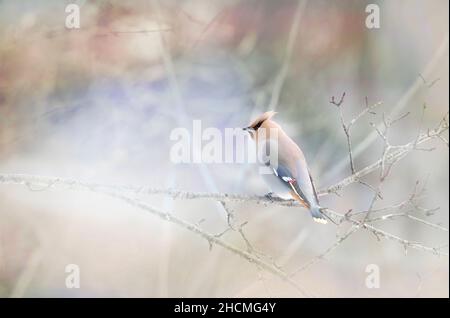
[
  {"x": 316, "y": 210},
  {"x": 318, "y": 216}
]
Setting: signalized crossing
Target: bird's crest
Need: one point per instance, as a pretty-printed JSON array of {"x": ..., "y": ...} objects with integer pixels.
[{"x": 260, "y": 119}]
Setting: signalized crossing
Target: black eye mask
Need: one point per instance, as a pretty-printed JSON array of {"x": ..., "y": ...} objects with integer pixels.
[{"x": 256, "y": 127}]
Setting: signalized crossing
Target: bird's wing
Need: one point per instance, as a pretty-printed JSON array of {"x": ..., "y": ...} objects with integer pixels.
[{"x": 285, "y": 175}]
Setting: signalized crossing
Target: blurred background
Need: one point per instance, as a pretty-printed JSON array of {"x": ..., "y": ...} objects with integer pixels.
[{"x": 98, "y": 104}]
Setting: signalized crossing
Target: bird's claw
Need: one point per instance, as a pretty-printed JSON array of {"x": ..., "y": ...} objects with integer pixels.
[{"x": 270, "y": 197}]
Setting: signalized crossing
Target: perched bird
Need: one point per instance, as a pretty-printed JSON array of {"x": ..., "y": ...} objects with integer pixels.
[{"x": 290, "y": 178}]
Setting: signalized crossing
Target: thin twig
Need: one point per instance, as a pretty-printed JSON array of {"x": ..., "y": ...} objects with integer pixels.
[
  {"x": 394, "y": 156},
  {"x": 78, "y": 185},
  {"x": 211, "y": 238},
  {"x": 440, "y": 53}
]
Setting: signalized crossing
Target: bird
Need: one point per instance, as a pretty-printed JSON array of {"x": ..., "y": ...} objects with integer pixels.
[{"x": 289, "y": 177}]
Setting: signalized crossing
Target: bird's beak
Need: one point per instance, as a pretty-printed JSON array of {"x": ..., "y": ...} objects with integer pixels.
[{"x": 247, "y": 128}]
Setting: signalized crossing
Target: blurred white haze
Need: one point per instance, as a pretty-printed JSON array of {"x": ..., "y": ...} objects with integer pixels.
[{"x": 98, "y": 104}]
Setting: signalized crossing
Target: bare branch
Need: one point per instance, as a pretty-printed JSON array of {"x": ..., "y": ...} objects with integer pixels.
[
  {"x": 383, "y": 234},
  {"x": 322, "y": 256},
  {"x": 337, "y": 104},
  {"x": 394, "y": 156},
  {"x": 164, "y": 215},
  {"x": 440, "y": 52},
  {"x": 70, "y": 184},
  {"x": 406, "y": 215},
  {"x": 347, "y": 126},
  {"x": 429, "y": 85}
]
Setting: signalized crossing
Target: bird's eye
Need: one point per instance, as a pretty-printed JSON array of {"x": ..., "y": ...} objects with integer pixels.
[{"x": 256, "y": 127}]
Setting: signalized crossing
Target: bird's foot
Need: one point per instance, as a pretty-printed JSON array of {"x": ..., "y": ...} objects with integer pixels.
[{"x": 270, "y": 196}]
